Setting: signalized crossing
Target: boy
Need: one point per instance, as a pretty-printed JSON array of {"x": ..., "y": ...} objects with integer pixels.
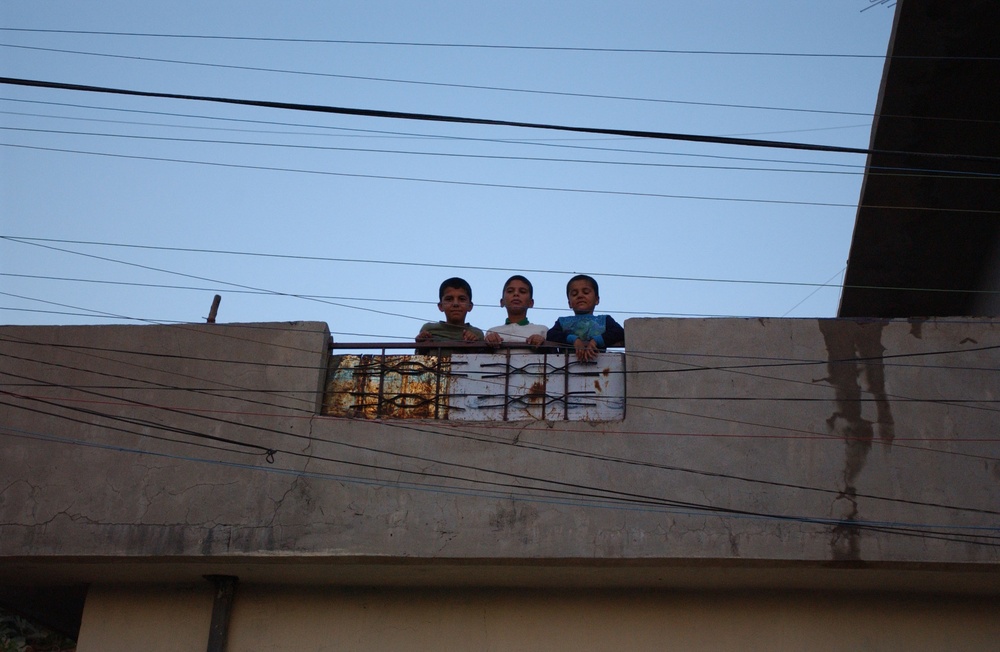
[
  {"x": 588, "y": 333},
  {"x": 455, "y": 301},
  {"x": 517, "y": 297}
]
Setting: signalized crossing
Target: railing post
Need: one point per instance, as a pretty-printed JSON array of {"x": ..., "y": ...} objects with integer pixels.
[{"x": 506, "y": 385}]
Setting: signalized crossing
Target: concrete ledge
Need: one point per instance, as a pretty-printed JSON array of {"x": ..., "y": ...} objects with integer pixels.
[{"x": 808, "y": 444}]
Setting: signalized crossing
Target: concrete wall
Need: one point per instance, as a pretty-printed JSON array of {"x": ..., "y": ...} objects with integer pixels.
[
  {"x": 291, "y": 619},
  {"x": 756, "y": 458}
]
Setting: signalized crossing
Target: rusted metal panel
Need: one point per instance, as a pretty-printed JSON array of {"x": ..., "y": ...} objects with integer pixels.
[
  {"x": 388, "y": 386},
  {"x": 504, "y": 386}
]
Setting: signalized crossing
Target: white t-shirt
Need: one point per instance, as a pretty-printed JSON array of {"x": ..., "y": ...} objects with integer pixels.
[{"x": 516, "y": 333}]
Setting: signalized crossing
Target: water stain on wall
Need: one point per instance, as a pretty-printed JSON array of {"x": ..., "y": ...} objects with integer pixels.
[{"x": 855, "y": 369}]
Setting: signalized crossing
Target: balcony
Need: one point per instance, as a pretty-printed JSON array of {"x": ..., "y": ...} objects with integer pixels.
[{"x": 511, "y": 384}]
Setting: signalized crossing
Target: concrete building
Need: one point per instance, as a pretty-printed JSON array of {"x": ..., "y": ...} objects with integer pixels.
[
  {"x": 771, "y": 484},
  {"x": 774, "y": 484},
  {"x": 927, "y": 237}
]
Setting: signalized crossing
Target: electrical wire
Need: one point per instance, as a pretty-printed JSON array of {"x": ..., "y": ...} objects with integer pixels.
[
  {"x": 580, "y": 495},
  {"x": 344, "y": 135},
  {"x": 489, "y": 157},
  {"x": 272, "y": 451},
  {"x": 888, "y": 398},
  {"x": 369, "y": 261},
  {"x": 403, "y": 115},
  {"x": 504, "y": 89},
  {"x": 448, "y": 137},
  {"x": 476, "y": 184},
  {"x": 902, "y": 173},
  {"x": 261, "y": 39},
  {"x": 622, "y": 495}
]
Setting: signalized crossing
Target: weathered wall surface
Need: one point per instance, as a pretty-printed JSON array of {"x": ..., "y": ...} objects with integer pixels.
[
  {"x": 142, "y": 440},
  {"x": 746, "y": 444},
  {"x": 121, "y": 619}
]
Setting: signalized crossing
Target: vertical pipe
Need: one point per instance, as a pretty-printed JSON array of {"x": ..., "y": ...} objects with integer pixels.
[
  {"x": 225, "y": 591},
  {"x": 214, "y": 310}
]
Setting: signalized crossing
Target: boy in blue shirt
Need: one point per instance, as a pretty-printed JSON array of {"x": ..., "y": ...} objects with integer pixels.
[{"x": 588, "y": 333}]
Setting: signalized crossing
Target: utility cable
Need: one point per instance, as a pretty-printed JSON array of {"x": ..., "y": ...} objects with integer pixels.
[
  {"x": 474, "y": 184},
  {"x": 506, "y": 270},
  {"x": 922, "y": 530},
  {"x": 535, "y": 142},
  {"x": 908, "y": 173},
  {"x": 263, "y": 39},
  {"x": 504, "y": 89},
  {"x": 427, "y": 117},
  {"x": 89, "y": 389}
]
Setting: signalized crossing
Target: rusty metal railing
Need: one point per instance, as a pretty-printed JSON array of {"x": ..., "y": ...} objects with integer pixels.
[{"x": 472, "y": 382}]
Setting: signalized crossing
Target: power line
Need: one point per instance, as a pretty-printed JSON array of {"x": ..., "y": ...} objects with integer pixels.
[
  {"x": 448, "y": 137},
  {"x": 314, "y": 133},
  {"x": 967, "y": 403},
  {"x": 166, "y": 286},
  {"x": 262, "y": 39},
  {"x": 36, "y": 242},
  {"x": 809, "y": 435},
  {"x": 577, "y": 495},
  {"x": 883, "y": 172},
  {"x": 491, "y": 157},
  {"x": 504, "y": 89},
  {"x": 151, "y": 406},
  {"x": 235, "y": 394},
  {"x": 569, "y": 490},
  {"x": 479, "y": 184},
  {"x": 214, "y": 392},
  {"x": 755, "y": 362},
  {"x": 428, "y": 117},
  {"x": 854, "y": 168},
  {"x": 507, "y": 89},
  {"x": 227, "y": 283}
]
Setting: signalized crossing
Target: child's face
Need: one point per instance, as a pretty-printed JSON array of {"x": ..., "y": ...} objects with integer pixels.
[
  {"x": 582, "y": 298},
  {"x": 517, "y": 297},
  {"x": 455, "y": 304}
]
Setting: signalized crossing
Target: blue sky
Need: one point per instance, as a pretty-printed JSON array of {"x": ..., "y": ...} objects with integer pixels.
[{"x": 360, "y": 218}]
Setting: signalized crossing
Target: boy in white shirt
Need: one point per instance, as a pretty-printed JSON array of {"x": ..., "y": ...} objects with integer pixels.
[{"x": 517, "y": 297}]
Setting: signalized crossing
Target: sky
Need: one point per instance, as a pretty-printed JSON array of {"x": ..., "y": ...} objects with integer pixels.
[{"x": 138, "y": 210}]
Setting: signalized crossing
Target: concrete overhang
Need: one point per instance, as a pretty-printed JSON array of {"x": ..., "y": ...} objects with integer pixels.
[
  {"x": 927, "y": 237},
  {"x": 544, "y": 574}
]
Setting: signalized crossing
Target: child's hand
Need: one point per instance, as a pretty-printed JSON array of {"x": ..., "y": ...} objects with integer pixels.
[
  {"x": 586, "y": 350},
  {"x": 493, "y": 339},
  {"x": 424, "y": 336},
  {"x": 536, "y": 340},
  {"x": 469, "y": 336}
]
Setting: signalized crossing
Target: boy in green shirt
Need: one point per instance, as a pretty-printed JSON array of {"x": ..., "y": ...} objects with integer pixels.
[{"x": 455, "y": 301}]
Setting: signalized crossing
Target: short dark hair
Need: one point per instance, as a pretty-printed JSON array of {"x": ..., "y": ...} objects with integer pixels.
[
  {"x": 518, "y": 277},
  {"x": 457, "y": 283},
  {"x": 584, "y": 277}
]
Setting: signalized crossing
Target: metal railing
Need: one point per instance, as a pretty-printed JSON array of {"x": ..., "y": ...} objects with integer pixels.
[{"x": 473, "y": 382}]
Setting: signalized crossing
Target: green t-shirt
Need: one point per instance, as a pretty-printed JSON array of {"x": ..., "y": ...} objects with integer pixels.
[{"x": 442, "y": 331}]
